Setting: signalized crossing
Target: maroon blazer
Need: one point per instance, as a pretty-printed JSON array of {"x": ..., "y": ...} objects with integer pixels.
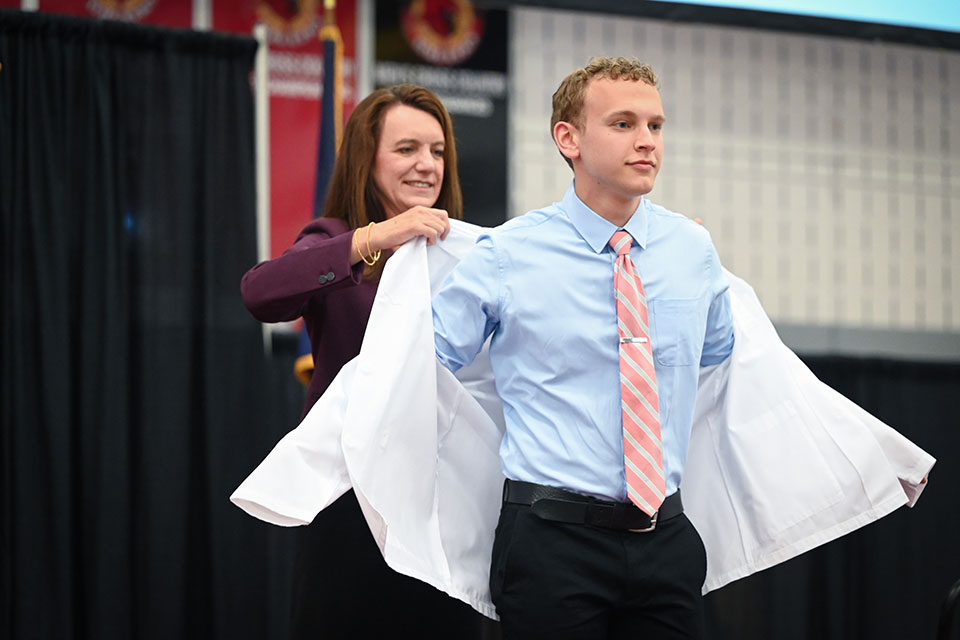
[{"x": 314, "y": 279}]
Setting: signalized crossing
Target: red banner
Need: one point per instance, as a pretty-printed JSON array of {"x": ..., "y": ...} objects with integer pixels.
[{"x": 296, "y": 70}]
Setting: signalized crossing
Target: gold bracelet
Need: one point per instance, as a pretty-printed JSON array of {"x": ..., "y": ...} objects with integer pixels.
[
  {"x": 373, "y": 256},
  {"x": 356, "y": 243}
]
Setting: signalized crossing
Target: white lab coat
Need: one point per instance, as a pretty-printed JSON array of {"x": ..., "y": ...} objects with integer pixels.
[{"x": 778, "y": 462}]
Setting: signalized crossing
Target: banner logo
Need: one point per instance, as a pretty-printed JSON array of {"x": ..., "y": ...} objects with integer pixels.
[
  {"x": 443, "y": 32},
  {"x": 128, "y": 10},
  {"x": 298, "y": 29}
]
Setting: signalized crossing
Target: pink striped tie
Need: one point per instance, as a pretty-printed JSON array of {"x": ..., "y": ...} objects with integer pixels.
[{"x": 642, "y": 450}]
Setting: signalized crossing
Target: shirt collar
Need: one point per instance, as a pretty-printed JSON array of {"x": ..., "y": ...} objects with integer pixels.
[{"x": 595, "y": 229}]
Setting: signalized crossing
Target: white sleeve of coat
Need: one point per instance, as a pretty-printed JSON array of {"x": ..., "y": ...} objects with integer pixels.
[{"x": 305, "y": 472}]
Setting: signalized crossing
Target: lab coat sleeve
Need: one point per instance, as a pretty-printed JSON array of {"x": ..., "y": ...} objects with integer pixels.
[
  {"x": 306, "y": 471},
  {"x": 910, "y": 463}
]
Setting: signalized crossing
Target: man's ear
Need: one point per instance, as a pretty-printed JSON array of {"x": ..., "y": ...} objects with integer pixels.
[{"x": 568, "y": 139}]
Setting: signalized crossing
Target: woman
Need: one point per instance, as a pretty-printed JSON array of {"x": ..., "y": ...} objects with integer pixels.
[{"x": 395, "y": 179}]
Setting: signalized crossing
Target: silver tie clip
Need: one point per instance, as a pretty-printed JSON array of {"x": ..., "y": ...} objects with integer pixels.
[{"x": 633, "y": 340}]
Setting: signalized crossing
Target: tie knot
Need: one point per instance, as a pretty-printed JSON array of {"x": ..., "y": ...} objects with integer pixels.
[{"x": 621, "y": 241}]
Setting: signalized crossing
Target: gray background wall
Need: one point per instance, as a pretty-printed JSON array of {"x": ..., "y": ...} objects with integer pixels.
[{"x": 826, "y": 168}]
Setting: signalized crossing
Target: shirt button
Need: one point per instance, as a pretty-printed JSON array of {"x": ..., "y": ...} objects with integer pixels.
[
  {"x": 322, "y": 279},
  {"x": 330, "y": 276}
]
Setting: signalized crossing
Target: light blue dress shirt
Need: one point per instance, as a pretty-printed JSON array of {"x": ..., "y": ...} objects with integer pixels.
[{"x": 542, "y": 285}]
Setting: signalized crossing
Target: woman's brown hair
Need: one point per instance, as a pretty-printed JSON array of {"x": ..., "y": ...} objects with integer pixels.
[{"x": 353, "y": 195}]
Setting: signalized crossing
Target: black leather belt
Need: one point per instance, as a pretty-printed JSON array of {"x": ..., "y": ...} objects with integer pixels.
[{"x": 558, "y": 505}]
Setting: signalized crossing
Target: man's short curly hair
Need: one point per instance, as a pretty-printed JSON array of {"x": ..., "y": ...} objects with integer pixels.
[{"x": 568, "y": 98}]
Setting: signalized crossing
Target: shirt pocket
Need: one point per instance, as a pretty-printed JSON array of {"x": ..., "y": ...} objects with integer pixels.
[{"x": 678, "y": 340}]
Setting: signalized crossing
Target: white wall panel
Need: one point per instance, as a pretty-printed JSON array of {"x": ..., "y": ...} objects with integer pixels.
[{"x": 826, "y": 169}]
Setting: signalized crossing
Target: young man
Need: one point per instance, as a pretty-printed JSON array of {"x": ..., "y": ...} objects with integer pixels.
[{"x": 602, "y": 308}]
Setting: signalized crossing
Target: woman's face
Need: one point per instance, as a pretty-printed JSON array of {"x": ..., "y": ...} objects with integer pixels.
[{"x": 409, "y": 164}]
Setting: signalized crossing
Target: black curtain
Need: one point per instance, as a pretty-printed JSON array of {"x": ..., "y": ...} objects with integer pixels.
[
  {"x": 887, "y": 580},
  {"x": 135, "y": 393}
]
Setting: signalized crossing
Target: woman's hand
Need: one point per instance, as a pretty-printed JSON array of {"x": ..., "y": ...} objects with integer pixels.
[
  {"x": 393, "y": 232},
  {"x": 416, "y": 221}
]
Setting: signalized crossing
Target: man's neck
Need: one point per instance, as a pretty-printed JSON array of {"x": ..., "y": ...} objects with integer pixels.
[{"x": 614, "y": 209}]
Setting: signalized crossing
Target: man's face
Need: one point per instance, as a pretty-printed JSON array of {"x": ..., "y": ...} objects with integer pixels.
[{"x": 620, "y": 140}]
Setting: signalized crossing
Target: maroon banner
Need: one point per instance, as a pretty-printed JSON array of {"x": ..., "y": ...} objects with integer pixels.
[{"x": 296, "y": 70}]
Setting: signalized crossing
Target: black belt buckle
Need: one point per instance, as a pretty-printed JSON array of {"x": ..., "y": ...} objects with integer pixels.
[
  {"x": 618, "y": 516},
  {"x": 652, "y": 527},
  {"x": 559, "y": 505}
]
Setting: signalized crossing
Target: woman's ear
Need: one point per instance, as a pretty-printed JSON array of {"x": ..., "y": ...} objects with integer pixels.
[{"x": 567, "y": 138}]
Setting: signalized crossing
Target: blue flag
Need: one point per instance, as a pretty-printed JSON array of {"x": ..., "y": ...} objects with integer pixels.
[{"x": 328, "y": 138}]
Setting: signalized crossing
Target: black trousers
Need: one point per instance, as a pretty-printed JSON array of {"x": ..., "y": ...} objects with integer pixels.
[{"x": 557, "y": 580}]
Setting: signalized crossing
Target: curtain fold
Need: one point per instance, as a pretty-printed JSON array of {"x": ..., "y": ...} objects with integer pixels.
[{"x": 135, "y": 391}]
